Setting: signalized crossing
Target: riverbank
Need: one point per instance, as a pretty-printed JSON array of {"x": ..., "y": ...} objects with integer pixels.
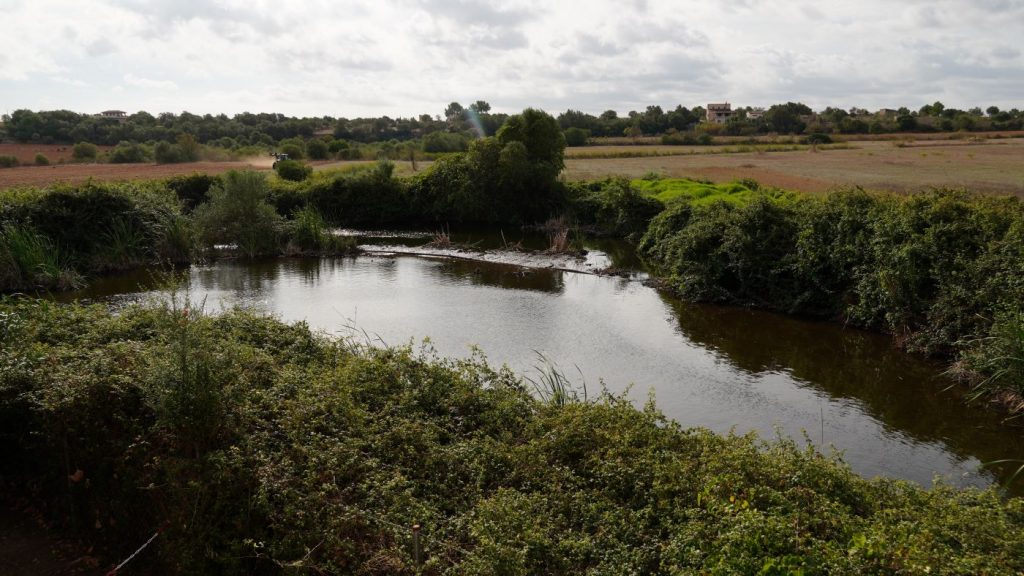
[{"x": 262, "y": 446}]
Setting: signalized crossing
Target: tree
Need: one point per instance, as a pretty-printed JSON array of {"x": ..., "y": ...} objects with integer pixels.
[
  {"x": 84, "y": 151},
  {"x": 480, "y": 107},
  {"x": 785, "y": 118},
  {"x": 238, "y": 213},
  {"x": 544, "y": 141},
  {"x": 454, "y": 112}
]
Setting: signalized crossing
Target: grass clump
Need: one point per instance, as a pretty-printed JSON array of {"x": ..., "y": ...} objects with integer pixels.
[
  {"x": 263, "y": 448},
  {"x": 309, "y": 234}
]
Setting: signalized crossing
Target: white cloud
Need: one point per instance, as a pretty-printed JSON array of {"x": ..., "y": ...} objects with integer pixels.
[
  {"x": 133, "y": 80},
  {"x": 406, "y": 57}
]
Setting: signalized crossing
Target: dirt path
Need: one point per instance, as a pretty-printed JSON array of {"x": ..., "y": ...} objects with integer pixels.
[{"x": 29, "y": 549}]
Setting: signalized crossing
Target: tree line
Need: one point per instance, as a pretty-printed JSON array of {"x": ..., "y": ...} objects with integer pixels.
[{"x": 452, "y": 130}]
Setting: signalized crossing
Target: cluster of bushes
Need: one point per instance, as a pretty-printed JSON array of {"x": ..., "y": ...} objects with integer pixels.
[
  {"x": 52, "y": 238},
  {"x": 7, "y": 161},
  {"x": 262, "y": 448},
  {"x": 942, "y": 271}
]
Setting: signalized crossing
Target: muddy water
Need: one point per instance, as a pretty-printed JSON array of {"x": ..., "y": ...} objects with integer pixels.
[{"x": 722, "y": 368}]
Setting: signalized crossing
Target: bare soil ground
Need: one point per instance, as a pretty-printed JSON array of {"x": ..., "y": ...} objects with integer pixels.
[
  {"x": 77, "y": 173},
  {"x": 990, "y": 166}
]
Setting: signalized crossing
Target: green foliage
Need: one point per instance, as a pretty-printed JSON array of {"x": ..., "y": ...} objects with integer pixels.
[
  {"x": 7, "y": 161},
  {"x": 817, "y": 138},
  {"x": 613, "y": 207},
  {"x": 576, "y": 136},
  {"x": 294, "y": 149},
  {"x": 933, "y": 269},
  {"x": 41, "y": 160},
  {"x": 438, "y": 142},
  {"x": 192, "y": 189},
  {"x": 84, "y": 151},
  {"x": 128, "y": 153},
  {"x": 29, "y": 260},
  {"x": 293, "y": 170},
  {"x": 309, "y": 234},
  {"x": 316, "y": 149},
  {"x": 238, "y": 214},
  {"x": 265, "y": 449},
  {"x": 167, "y": 153},
  {"x": 98, "y": 227}
]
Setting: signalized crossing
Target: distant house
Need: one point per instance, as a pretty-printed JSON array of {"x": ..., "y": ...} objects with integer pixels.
[
  {"x": 755, "y": 113},
  {"x": 324, "y": 132},
  {"x": 719, "y": 113},
  {"x": 115, "y": 114},
  {"x": 887, "y": 112}
]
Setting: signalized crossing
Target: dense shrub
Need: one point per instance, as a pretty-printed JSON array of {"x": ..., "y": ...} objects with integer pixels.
[
  {"x": 294, "y": 148},
  {"x": 817, "y": 138},
  {"x": 238, "y": 214},
  {"x": 613, "y": 207},
  {"x": 192, "y": 189},
  {"x": 576, "y": 136},
  {"x": 293, "y": 170},
  {"x": 100, "y": 227},
  {"x": 167, "y": 153},
  {"x": 436, "y": 142},
  {"x": 84, "y": 151},
  {"x": 7, "y": 161},
  {"x": 41, "y": 160},
  {"x": 129, "y": 153},
  {"x": 316, "y": 149},
  {"x": 261, "y": 448},
  {"x": 933, "y": 269}
]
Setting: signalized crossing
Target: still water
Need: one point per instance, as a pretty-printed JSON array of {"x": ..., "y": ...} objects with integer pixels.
[{"x": 726, "y": 369}]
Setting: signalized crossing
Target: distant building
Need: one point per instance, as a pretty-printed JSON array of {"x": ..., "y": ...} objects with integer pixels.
[
  {"x": 719, "y": 113},
  {"x": 887, "y": 112},
  {"x": 755, "y": 113},
  {"x": 324, "y": 132},
  {"x": 115, "y": 114}
]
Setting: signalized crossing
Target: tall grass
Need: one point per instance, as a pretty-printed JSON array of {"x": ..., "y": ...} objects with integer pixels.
[{"x": 31, "y": 260}]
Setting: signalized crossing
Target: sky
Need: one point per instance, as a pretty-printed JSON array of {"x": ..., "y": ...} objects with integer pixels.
[{"x": 349, "y": 59}]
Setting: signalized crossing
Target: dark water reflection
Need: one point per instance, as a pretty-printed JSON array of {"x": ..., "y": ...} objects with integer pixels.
[{"x": 722, "y": 368}]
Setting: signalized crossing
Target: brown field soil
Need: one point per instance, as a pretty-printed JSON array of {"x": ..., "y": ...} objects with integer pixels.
[
  {"x": 26, "y": 153},
  {"x": 78, "y": 173},
  {"x": 990, "y": 166}
]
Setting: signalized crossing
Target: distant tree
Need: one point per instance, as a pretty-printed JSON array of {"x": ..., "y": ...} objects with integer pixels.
[
  {"x": 293, "y": 170},
  {"x": 906, "y": 123},
  {"x": 576, "y": 136},
  {"x": 785, "y": 118},
  {"x": 992, "y": 110},
  {"x": 543, "y": 139},
  {"x": 316, "y": 149},
  {"x": 480, "y": 107},
  {"x": 454, "y": 112}
]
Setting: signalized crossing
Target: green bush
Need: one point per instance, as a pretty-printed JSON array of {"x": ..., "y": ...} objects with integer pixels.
[
  {"x": 96, "y": 227},
  {"x": 576, "y": 136},
  {"x": 438, "y": 142},
  {"x": 817, "y": 138},
  {"x": 167, "y": 153},
  {"x": 932, "y": 269},
  {"x": 7, "y": 161},
  {"x": 238, "y": 214},
  {"x": 295, "y": 149},
  {"x": 613, "y": 207},
  {"x": 41, "y": 160},
  {"x": 129, "y": 153},
  {"x": 84, "y": 151},
  {"x": 293, "y": 170},
  {"x": 308, "y": 233},
  {"x": 316, "y": 149},
  {"x": 256, "y": 445}
]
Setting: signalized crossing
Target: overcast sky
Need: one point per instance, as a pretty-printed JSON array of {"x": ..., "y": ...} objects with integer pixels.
[{"x": 408, "y": 57}]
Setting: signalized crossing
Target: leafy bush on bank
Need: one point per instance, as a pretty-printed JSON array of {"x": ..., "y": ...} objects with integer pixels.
[
  {"x": 263, "y": 448},
  {"x": 933, "y": 269}
]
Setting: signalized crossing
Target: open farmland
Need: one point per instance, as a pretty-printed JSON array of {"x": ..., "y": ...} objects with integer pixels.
[
  {"x": 993, "y": 166},
  {"x": 26, "y": 153}
]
